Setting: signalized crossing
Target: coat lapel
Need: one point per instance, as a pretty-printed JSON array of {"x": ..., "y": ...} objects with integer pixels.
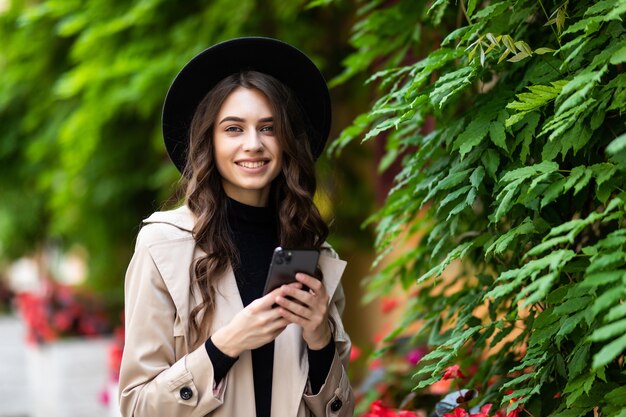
[{"x": 291, "y": 362}]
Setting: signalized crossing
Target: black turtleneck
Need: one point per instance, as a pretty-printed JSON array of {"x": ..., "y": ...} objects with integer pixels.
[{"x": 254, "y": 231}]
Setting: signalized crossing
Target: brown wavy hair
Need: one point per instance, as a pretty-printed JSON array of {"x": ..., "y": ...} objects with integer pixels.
[{"x": 300, "y": 224}]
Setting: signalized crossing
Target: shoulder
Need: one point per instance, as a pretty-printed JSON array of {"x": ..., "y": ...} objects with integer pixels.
[
  {"x": 163, "y": 227},
  {"x": 328, "y": 250}
]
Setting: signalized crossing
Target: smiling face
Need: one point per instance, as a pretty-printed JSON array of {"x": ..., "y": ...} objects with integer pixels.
[{"x": 247, "y": 153}]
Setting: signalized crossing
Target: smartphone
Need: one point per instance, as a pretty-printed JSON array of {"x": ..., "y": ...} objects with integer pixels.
[{"x": 286, "y": 263}]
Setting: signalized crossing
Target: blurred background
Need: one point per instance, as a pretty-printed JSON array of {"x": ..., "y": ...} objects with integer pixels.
[{"x": 82, "y": 163}]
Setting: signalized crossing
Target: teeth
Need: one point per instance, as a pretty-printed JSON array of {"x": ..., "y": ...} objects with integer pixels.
[{"x": 248, "y": 164}]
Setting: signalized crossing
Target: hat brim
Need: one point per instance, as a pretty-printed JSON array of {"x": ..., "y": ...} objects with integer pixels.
[{"x": 276, "y": 58}]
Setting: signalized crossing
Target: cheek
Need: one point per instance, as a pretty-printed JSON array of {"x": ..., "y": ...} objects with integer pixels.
[{"x": 221, "y": 155}]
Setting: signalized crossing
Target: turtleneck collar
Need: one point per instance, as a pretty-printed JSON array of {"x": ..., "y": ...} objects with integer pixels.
[{"x": 243, "y": 218}]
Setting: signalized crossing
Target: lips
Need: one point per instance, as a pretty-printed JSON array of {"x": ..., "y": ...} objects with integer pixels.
[{"x": 252, "y": 164}]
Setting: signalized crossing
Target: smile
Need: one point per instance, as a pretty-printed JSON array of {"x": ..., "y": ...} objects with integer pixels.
[{"x": 250, "y": 164}]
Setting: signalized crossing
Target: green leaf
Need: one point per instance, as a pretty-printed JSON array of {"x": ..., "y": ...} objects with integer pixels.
[
  {"x": 497, "y": 134},
  {"x": 578, "y": 386},
  {"x": 450, "y": 84},
  {"x": 619, "y": 56},
  {"x": 616, "y": 312},
  {"x": 609, "y": 352},
  {"x": 518, "y": 57},
  {"x": 458, "y": 252},
  {"x": 453, "y": 196},
  {"x": 503, "y": 242},
  {"x": 609, "y": 331},
  {"x": 541, "y": 51},
  {"x": 583, "y": 181},
  {"x": 491, "y": 160},
  {"x": 573, "y": 305},
  {"x": 608, "y": 299},
  {"x": 526, "y": 172},
  {"x": 537, "y": 290},
  {"x": 477, "y": 177},
  {"x": 579, "y": 360},
  {"x": 454, "y": 179},
  {"x": 573, "y": 178},
  {"x": 471, "y": 5},
  {"x": 472, "y": 136},
  {"x": 539, "y": 96},
  {"x": 597, "y": 279},
  {"x": 617, "y": 396},
  {"x": 606, "y": 260},
  {"x": 506, "y": 203},
  {"x": 553, "y": 191}
]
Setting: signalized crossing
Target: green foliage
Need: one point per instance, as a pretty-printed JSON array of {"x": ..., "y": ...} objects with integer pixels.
[
  {"x": 522, "y": 179},
  {"x": 81, "y": 89}
]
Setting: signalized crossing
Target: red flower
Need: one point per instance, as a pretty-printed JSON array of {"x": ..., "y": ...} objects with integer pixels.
[
  {"x": 388, "y": 304},
  {"x": 484, "y": 411},
  {"x": 60, "y": 311},
  {"x": 377, "y": 409},
  {"x": 416, "y": 355},
  {"x": 375, "y": 364},
  {"x": 514, "y": 413},
  {"x": 453, "y": 372},
  {"x": 355, "y": 353},
  {"x": 406, "y": 413},
  {"x": 457, "y": 412}
]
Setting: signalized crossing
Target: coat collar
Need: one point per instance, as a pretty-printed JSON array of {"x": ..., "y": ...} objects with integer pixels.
[{"x": 182, "y": 218}]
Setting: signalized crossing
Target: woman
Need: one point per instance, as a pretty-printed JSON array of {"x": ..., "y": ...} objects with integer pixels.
[{"x": 243, "y": 121}]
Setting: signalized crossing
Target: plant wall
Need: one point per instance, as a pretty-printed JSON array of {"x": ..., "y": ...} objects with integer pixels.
[{"x": 520, "y": 185}]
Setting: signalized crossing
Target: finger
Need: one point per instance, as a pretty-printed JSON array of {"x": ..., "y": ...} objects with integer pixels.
[
  {"x": 294, "y": 307},
  {"x": 302, "y": 296},
  {"x": 311, "y": 282},
  {"x": 280, "y": 324},
  {"x": 292, "y": 318},
  {"x": 296, "y": 285},
  {"x": 267, "y": 301}
]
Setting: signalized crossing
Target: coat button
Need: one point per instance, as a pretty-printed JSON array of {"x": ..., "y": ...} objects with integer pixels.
[
  {"x": 186, "y": 393},
  {"x": 336, "y": 405}
]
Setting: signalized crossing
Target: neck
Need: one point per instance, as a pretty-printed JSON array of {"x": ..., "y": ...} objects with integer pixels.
[{"x": 254, "y": 198}]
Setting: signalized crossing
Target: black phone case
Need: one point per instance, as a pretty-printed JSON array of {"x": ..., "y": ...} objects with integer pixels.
[{"x": 286, "y": 263}]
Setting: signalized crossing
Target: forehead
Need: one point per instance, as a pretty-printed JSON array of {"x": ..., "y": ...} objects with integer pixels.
[{"x": 244, "y": 100}]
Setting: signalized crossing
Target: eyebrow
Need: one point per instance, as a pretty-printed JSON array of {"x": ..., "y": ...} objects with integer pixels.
[{"x": 239, "y": 119}]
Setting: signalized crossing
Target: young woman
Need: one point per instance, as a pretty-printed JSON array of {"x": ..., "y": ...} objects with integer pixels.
[{"x": 243, "y": 121}]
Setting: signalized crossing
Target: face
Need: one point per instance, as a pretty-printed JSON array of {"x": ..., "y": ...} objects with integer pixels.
[{"x": 247, "y": 154}]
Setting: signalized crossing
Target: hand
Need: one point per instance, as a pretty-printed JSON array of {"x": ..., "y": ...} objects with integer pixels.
[
  {"x": 254, "y": 326},
  {"x": 308, "y": 309}
]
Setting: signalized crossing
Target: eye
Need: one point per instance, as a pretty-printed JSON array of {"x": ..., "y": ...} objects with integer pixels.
[
  {"x": 233, "y": 129},
  {"x": 267, "y": 129}
]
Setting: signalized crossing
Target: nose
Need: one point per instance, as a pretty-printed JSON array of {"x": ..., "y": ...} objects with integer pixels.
[{"x": 252, "y": 142}]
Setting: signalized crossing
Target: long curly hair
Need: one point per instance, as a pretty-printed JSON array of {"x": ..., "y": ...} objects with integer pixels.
[{"x": 300, "y": 224}]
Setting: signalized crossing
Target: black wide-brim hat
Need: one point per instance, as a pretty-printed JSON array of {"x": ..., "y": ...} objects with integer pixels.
[{"x": 270, "y": 56}]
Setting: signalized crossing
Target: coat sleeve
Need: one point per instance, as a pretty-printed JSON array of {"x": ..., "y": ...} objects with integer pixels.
[
  {"x": 335, "y": 397},
  {"x": 152, "y": 382}
]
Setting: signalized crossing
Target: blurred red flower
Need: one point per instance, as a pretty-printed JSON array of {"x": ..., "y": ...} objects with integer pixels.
[
  {"x": 457, "y": 412},
  {"x": 61, "y": 311},
  {"x": 484, "y": 411},
  {"x": 388, "y": 304},
  {"x": 453, "y": 372},
  {"x": 416, "y": 355},
  {"x": 355, "y": 353}
]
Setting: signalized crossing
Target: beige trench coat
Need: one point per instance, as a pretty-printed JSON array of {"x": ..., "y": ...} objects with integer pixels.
[{"x": 159, "y": 367}]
